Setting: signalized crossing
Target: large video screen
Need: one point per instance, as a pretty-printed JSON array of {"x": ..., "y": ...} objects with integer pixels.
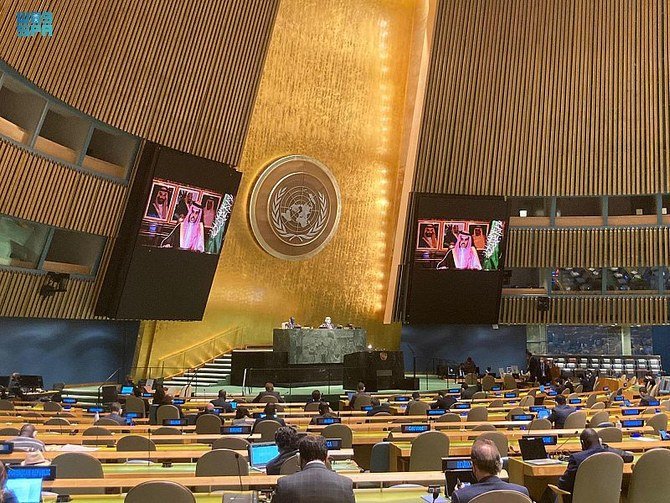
[
  {"x": 459, "y": 244},
  {"x": 454, "y": 268},
  {"x": 185, "y": 217},
  {"x": 172, "y": 234}
]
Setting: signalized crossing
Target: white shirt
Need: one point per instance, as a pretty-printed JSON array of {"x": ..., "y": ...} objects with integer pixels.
[{"x": 315, "y": 461}]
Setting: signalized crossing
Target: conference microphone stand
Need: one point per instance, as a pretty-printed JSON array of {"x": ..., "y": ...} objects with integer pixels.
[
  {"x": 171, "y": 233},
  {"x": 104, "y": 382}
]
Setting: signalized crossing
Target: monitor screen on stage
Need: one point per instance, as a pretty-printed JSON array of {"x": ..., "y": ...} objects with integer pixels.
[
  {"x": 455, "y": 259},
  {"x": 172, "y": 234}
]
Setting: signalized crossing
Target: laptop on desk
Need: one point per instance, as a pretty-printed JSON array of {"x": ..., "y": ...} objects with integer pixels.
[
  {"x": 534, "y": 452},
  {"x": 261, "y": 453}
]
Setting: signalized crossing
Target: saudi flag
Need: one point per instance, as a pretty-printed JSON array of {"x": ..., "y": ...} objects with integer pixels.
[{"x": 492, "y": 250}]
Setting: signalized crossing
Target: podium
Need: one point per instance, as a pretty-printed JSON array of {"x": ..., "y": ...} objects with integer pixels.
[
  {"x": 318, "y": 345},
  {"x": 377, "y": 369}
]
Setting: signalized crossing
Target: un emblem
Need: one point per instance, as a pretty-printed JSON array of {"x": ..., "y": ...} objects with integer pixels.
[{"x": 295, "y": 207}]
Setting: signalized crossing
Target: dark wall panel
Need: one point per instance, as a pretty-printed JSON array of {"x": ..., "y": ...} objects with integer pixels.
[
  {"x": 70, "y": 351},
  {"x": 488, "y": 347}
]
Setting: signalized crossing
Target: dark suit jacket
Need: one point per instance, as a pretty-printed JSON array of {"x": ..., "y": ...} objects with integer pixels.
[
  {"x": 644, "y": 400},
  {"x": 268, "y": 393},
  {"x": 559, "y": 414},
  {"x": 115, "y": 417},
  {"x": 484, "y": 486},
  {"x": 444, "y": 402},
  {"x": 222, "y": 404},
  {"x": 274, "y": 465},
  {"x": 314, "y": 483},
  {"x": 567, "y": 480},
  {"x": 260, "y": 419}
]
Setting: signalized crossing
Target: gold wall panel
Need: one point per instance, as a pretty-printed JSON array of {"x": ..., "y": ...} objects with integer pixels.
[
  {"x": 181, "y": 73},
  {"x": 560, "y": 97},
  {"x": 595, "y": 310},
  {"x": 589, "y": 247},
  {"x": 333, "y": 88}
]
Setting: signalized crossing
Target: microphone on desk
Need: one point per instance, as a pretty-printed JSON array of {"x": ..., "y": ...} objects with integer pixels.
[
  {"x": 558, "y": 449},
  {"x": 239, "y": 469}
]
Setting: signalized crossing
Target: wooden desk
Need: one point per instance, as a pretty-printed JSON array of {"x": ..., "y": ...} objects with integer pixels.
[
  {"x": 536, "y": 478},
  {"x": 259, "y": 481},
  {"x": 192, "y": 453},
  {"x": 385, "y": 495}
]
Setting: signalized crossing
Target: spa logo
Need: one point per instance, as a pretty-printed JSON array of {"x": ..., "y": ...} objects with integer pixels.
[{"x": 30, "y": 24}]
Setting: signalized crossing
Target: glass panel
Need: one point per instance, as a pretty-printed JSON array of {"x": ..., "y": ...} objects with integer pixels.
[
  {"x": 74, "y": 252},
  {"x": 578, "y": 207},
  {"x": 641, "y": 340},
  {"x": 21, "y": 242},
  {"x": 631, "y": 205},
  {"x": 593, "y": 340},
  {"x": 632, "y": 279},
  {"x": 576, "y": 280},
  {"x": 523, "y": 278},
  {"x": 20, "y": 110},
  {"x": 530, "y": 207}
]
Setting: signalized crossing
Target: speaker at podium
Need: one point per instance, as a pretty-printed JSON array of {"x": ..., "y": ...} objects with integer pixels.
[{"x": 377, "y": 369}]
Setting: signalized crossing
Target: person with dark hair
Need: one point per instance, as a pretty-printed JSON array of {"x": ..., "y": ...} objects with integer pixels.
[
  {"x": 379, "y": 408},
  {"x": 286, "y": 439},
  {"x": 115, "y": 414},
  {"x": 324, "y": 411},
  {"x": 26, "y": 440},
  {"x": 486, "y": 465},
  {"x": 6, "y": 495},
  {"x": 243, "y": 417},
  {"x": 645, "y": 398},
  {"x": 315, "y": 482},
  {"x": 533, "y": 366},
  {"x": 560, "y": 412},
  {"x": 591, "y": 444},
  {"x": 269, "y": 391},
  {"x": 221, "y": 402},
  {"x": 360, "y": 391},
  {"x": 588, "y": 381},
  {"x": 443, "y": 401},
  {"x": 416, "y": 397},
  {"x": 316, "y": 397},
  {"x": 270, "y": 412},
  {"x": 161, "y": 396}
]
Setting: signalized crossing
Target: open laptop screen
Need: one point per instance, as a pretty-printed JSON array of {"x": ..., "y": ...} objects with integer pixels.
[
  {"x": 532, "y": 448},
  {"x": 260, "y": 454},
  {"x": 26, "y": 490}
]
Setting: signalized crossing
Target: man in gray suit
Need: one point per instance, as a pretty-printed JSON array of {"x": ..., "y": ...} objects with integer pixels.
[{"x": 315, "y": 482}]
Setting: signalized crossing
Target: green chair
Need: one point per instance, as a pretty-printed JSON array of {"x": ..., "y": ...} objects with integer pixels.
[
  {"x": 598, "y": 479},
  {"x": 159, "y": 492},
  {"x": 342, "y": 431},
  {"x": 650, "y": 482},
  {"x": 78, "y": 465},
  {"x": 427, "y": 451}
]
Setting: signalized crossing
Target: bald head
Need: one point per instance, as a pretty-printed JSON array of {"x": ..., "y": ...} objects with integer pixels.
[
  {"x": 27, "y": 430},
  {"x": 589, "y": 438},
  {"x": 485, "y": 458}
]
